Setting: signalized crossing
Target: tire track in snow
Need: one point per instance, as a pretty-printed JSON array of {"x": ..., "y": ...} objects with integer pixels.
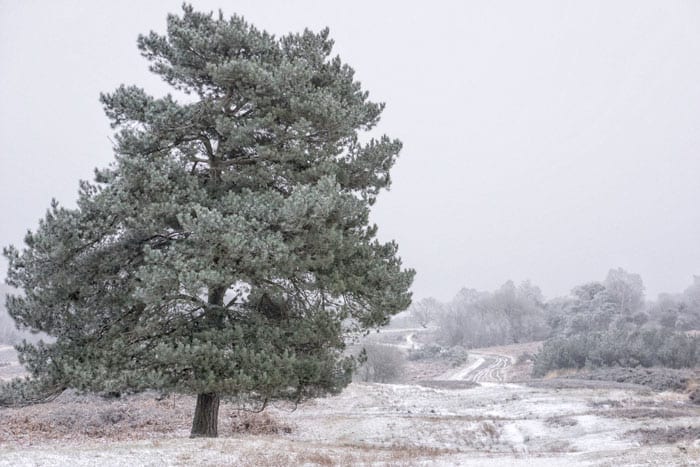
[{"x": 486, "y": 368}]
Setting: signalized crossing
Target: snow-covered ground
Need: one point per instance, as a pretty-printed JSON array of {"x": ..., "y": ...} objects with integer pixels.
[
  {"x": 491, "y": 424},
  {"x": 9, "y": 366}
]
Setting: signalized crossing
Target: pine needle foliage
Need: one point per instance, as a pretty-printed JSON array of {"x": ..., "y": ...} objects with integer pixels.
[{"x": 227, "y": 249}]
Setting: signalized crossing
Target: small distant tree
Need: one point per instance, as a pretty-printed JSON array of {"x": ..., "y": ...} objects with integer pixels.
[
  {"x": 424, "y": 311},
  {"x": 382, "y": 364},
  {"x": 590, "y": 309},
  {"x": 618, "y": 301},
  {"x": 625, "y": 290},
  {"x": 689, "y": 318},
  {"x": 510, "y": 314},
  {"x": 677, "y": 311},
  {"x": 227, "y": 251}
]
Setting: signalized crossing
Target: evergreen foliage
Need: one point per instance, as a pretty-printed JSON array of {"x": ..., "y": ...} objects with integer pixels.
[
  {"x": 678, "y": 311},
  {"x": 604, "y": 324},
  {"x": 227, "y": 250},
  {"x": 618, "y": 347}
]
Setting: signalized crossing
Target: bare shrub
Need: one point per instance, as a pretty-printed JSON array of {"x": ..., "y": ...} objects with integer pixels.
[
  {"x": 456, "y": 355},
  {"x": 255, "y": 423},
  {"x": 694, "y": 396},
  {"x": 525, "y": 357},
  {"x": 383, "y": 364},
  {"x": 605, "y": 404},
  {"x": 560, "y": 422},
  {"x": 24, "y": 391},
  {"x": 427, "y": 352},
  {"x": 490, "y": 429},
  {"x": 424, "y": 311}
]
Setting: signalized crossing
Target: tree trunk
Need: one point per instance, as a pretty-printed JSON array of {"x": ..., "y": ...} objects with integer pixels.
[{"x": 206, "y": 416}]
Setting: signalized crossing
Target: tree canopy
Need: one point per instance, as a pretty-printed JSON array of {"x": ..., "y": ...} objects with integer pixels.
[{"x": 227, "y": 250}]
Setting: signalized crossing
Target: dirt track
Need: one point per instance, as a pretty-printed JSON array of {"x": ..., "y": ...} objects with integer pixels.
[
  {"x": 482, "y": 368},
  {"x": 491, "y": 371}
]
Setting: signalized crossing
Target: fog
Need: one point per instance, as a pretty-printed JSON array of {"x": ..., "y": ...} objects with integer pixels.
[{"x": 543, "y": 140}]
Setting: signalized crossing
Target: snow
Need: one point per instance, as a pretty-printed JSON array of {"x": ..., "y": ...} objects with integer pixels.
[{"x": 408, "y": 424}]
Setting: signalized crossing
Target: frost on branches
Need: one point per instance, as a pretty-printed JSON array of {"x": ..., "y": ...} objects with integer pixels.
[{"x": 227, "y": 250}]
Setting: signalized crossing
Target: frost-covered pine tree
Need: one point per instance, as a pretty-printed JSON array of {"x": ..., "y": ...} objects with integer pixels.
[{"x": 227, "y": 250}]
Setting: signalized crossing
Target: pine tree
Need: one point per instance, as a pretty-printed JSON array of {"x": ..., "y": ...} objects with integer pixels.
[{"x": 227, "y": 250}]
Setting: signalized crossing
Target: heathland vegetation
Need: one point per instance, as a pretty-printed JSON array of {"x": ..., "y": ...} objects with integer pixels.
[{"x": 606, "y": 323}]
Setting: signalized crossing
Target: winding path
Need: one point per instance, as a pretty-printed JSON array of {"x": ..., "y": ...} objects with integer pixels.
[{"x": 485, "y": 368}]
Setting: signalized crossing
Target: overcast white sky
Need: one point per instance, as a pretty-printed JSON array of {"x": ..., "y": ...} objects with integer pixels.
[{"x": 549, "y": 140}]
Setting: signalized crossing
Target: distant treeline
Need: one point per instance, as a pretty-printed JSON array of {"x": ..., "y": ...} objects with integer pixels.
[{"x": 602, "y": 323}]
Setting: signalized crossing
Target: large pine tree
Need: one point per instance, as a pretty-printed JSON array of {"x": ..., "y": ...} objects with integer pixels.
[{"x": 227, "y": 251}]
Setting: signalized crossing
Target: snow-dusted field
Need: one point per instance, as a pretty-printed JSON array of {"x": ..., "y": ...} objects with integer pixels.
[
  {"x": 491, "y": 424},
  {"x": 9, "y": 366}
]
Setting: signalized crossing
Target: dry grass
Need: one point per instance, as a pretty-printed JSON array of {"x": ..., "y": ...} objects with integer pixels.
[
  {"x": 348, "y": 455},
  {"x": 634, "y": 413},
  {"x": 316, "y": 458},
  {"x": 368, "y": 424},
  {"x": 666, "y": 435},
  {"x": 76, "y": 417},
  {"x": 570, "y": 383},
  {"x": 605, "y": 404},
  {"x": 559, "y": 445},
  {"x": 520, "y": 372},
  {"x": 562, "y": 373},
  {"x": 395, "y": 454},
  {"x": 145, "y": 416},
  {"x": 658, "y": 379},
  {"x": 72, "y": 417},
  {"x": 424, "y": 370}
]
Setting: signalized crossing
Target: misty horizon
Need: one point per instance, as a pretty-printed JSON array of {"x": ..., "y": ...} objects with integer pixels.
[{"x": 551, "y": 154}]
